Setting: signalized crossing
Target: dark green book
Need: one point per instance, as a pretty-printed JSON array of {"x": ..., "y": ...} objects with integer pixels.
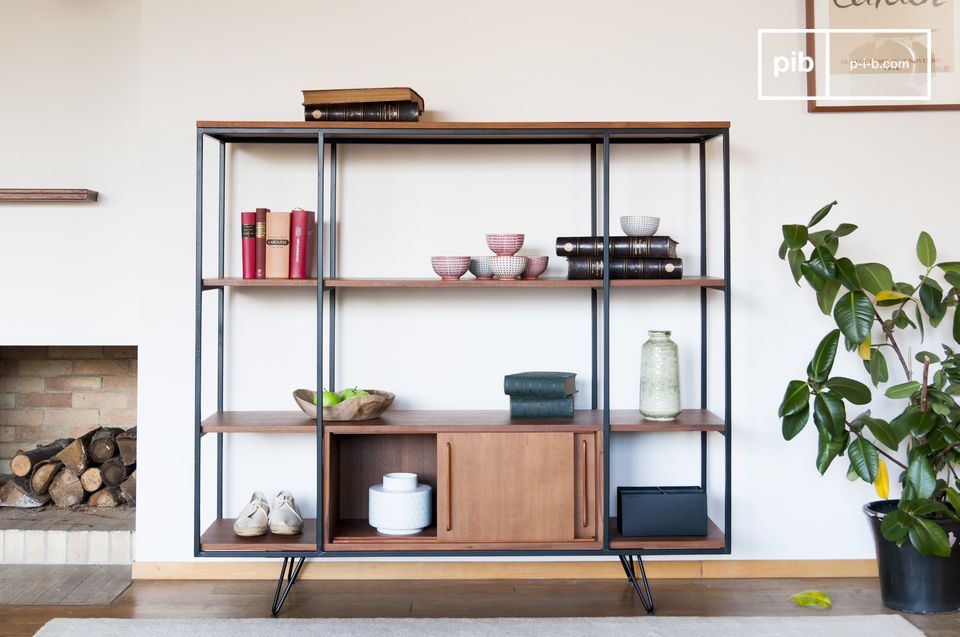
[
  {"x": 541, "y": 407},
  {"x": 540, "y": 384}
]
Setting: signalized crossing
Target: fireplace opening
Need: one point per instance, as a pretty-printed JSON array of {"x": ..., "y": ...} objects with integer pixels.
[{"x": 68, "y": 452}]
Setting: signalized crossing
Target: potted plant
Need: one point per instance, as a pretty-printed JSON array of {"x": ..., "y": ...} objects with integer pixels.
[{"x": 877, "y": 317}]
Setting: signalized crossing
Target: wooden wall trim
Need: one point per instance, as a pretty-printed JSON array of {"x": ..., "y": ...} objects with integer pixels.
[{"x": 707, "y": 569}]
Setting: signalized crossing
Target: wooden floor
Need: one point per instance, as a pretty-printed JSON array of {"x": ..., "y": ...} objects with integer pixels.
[
  {"x": 158, "y": 599},
  {"x": 62, "y": 584}
]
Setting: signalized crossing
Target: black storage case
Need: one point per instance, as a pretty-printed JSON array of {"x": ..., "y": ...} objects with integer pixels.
[{"x": 661, "y": 511}]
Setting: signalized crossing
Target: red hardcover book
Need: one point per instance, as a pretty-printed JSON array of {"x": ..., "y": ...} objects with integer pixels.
[
  {"x": 248, "y": 241},
  {"x": 261, "y": 238},
  {"x": 301, "y": 243}
]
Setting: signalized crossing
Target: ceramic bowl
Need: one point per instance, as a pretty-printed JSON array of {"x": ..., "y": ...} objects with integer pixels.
[
  {"x": 535, "y": 267},
  {"x": 508, "y": 267},
  {"x": 639, "y": 225},
  {"x": 480, "y": 267},
  {"x": 505, "y": 245},
  {"x": 450, "y": 268},
  {"x": 358, "y": 408}
]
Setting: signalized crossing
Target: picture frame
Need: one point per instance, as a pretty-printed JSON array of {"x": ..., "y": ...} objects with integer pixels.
[{"x": 942, "y": 17}]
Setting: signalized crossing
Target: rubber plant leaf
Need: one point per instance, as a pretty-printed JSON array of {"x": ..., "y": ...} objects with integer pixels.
[
  {"x": 882, "y": 483},
  {"x": 813, "y": 598}
]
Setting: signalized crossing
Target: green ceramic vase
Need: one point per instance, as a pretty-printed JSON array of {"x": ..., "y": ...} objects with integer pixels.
[{"x": 659, "y": 377}]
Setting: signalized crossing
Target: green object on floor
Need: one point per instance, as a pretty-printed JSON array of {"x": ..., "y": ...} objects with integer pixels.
[{"x": 813, "y": 598}]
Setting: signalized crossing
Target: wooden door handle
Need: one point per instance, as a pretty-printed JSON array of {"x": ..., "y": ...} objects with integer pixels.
[
  {"x": 449, "y": 486},
  {"x": 583, "y": 471}
]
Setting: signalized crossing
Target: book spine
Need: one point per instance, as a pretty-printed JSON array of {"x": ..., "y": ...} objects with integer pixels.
[
  {"x": 278, "y": 245},
  {"x": 261, "y": 241},
  {"x": 624, "y": 268},
  {"x": 299, "y": 243},
  {"x": 536, "y": 387},
  {"x": 248, "y": 244},
  {"x": 370, "y": 112},
  {"x": 646, "y": 247},
  {"x": 541, "y": 407}
]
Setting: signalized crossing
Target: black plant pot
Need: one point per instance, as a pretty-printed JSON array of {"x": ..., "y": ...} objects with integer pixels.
[{"x": 911, "y": 582}]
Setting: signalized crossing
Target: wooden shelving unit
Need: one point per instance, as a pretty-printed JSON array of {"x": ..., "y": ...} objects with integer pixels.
[
  {"x": 555, "y": 473},
  {"x": 467, "y": 282}
]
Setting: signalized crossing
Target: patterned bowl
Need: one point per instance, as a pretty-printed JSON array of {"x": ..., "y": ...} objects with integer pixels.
[
  {"x": 450, "y": 268},
  {"x": 480, "y": 267},
  {"x": 505, "y": 245},
  {"x": 535, "y": 267},
  {"x": 508, "y": 267},
  {"x": 639, "y": 225}
]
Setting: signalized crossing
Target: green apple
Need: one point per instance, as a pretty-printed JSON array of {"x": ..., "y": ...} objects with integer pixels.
[
  {"x": 352, "y": 393},
  {"x": 314, "y": 398},
  {"x": 331, "y": 398}
]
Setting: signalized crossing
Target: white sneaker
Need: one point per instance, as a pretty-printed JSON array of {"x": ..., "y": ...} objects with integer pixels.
[
  {"x": 252, "y": 520},
  {"x": 285, "y": 518}
]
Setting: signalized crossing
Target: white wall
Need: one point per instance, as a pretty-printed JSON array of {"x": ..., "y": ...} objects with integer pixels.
[{"x": 894, "y": 174}]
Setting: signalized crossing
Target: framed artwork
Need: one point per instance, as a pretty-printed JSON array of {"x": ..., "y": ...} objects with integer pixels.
[{"x": 883, "y": 55}]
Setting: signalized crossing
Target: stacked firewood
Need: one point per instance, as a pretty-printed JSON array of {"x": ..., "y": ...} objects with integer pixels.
[{"x": 99, "y": 468}]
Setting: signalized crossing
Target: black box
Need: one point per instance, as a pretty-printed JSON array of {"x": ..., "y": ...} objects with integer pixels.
[{"x": 661, "y": 511}]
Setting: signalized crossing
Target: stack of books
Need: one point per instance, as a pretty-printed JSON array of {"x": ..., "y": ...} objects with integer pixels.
[
  {"x": 401, "y": 104},
  {"x": 541, "y": 394},
  {"x": 276, "y": 245},
  {"x": 630, "y": 257}
]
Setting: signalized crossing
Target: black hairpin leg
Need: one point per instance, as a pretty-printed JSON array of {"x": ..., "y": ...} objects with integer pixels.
[
  {"x": 626, "y": 561},
  {"x": 291, "y": 576}
]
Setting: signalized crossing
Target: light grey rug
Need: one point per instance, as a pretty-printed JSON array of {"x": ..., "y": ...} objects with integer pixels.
[{"x": 807, "y": 626}]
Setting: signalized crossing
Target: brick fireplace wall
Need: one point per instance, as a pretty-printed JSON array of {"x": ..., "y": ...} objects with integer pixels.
[{"x": 50, "y": 392}]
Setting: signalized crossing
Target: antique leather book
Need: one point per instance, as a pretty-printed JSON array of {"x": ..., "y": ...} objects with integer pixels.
[
  {"x": 619, "y": 247},
  {"x": 362, "y": 96},
  {"x": 278, "y": 245},
  {"x": 540, "y": 384},
  {"x": 248, "y": 244},
  {"x": 541, "y": 407},
  {"x": 301, "y": 243},
  {"x": 372, "y": 112},
  {"x": 624, "y": 268},
  {"x": 261, "y": 242}
]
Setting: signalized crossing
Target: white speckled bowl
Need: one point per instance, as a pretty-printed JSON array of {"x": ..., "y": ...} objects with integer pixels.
[
  {"x": 639, "y": 225},
  {"x": 508, "y": 267},
  {"x": 480, "y": 267}
]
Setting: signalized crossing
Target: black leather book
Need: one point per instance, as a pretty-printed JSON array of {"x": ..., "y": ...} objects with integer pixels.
[
  {"x": 624, "y": 268},
  {"x": 371, "y": 112},
  {"x": 660, "y": 247}
]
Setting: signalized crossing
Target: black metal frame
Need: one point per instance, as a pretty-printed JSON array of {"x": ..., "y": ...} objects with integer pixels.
[{"x": 596, "y": 139}]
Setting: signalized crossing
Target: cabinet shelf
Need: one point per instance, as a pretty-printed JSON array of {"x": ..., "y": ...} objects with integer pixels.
[
  {"x": 433, "y": 282},
  {"x": 714, "y": 539},
  {"x": 401, "y": 421},
  {"x": 219, "y": 536}
]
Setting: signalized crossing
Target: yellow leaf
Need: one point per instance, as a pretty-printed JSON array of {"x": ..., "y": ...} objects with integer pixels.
[
  {"x": 813, "y": 598},
  {"x": 864, "y": 349},
  {"x": 882, "y": 483},
  {"x": 891, "y": 295}
]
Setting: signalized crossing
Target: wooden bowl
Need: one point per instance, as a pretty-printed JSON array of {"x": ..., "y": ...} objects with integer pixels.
[{"x": 357, "y": 408}]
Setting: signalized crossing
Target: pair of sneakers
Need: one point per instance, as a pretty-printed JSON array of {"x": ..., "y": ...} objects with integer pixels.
[{"x": 283, "y": 518}]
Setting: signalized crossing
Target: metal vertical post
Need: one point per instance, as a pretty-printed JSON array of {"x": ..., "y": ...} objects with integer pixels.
[
  {"x": 198, "y": 328},
  {"x": 319, "y": 233},
  {"x": 606, "y": 332},
  {"x": 221, "y": 209},
  {"x": 727, "y": 366},
  {"x": 593, "y": 290},
  {"x": 703, "y": 309},
  {"x": 332, "y": 310}
]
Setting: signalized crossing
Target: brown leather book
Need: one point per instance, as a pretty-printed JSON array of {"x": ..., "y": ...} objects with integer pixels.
[
  {"x": 661, "y": 247},
  {"x": 372, "y": 112},
  {"x": 624, "y": 268},
  {"x": 260, "y": 234},
  {"x": 278, "y": 245},
  {"x": 362, "y": 96}
]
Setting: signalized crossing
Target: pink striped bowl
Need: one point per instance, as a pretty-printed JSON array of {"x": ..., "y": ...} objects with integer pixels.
[
  {"x": 535, "y": 267},
  {"x": 505, "y": 245},
  {"x": 450, "y": 268},
  {"x": 508, "y": 267}
]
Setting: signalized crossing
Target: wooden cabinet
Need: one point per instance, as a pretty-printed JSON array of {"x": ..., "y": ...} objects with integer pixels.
[{"x": 503, "y": 487}]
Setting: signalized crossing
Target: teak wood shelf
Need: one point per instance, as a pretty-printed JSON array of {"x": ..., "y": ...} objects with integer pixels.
[
  {"x": 49, "y": 195},
  {"x": 500, "y": 486},
  {"x": 469, "y": 282}
]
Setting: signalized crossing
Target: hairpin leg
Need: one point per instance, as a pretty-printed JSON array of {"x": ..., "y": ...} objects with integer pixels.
[
  {"x": 646, "y": 598},
  {"x": 291, "y": 577}
]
